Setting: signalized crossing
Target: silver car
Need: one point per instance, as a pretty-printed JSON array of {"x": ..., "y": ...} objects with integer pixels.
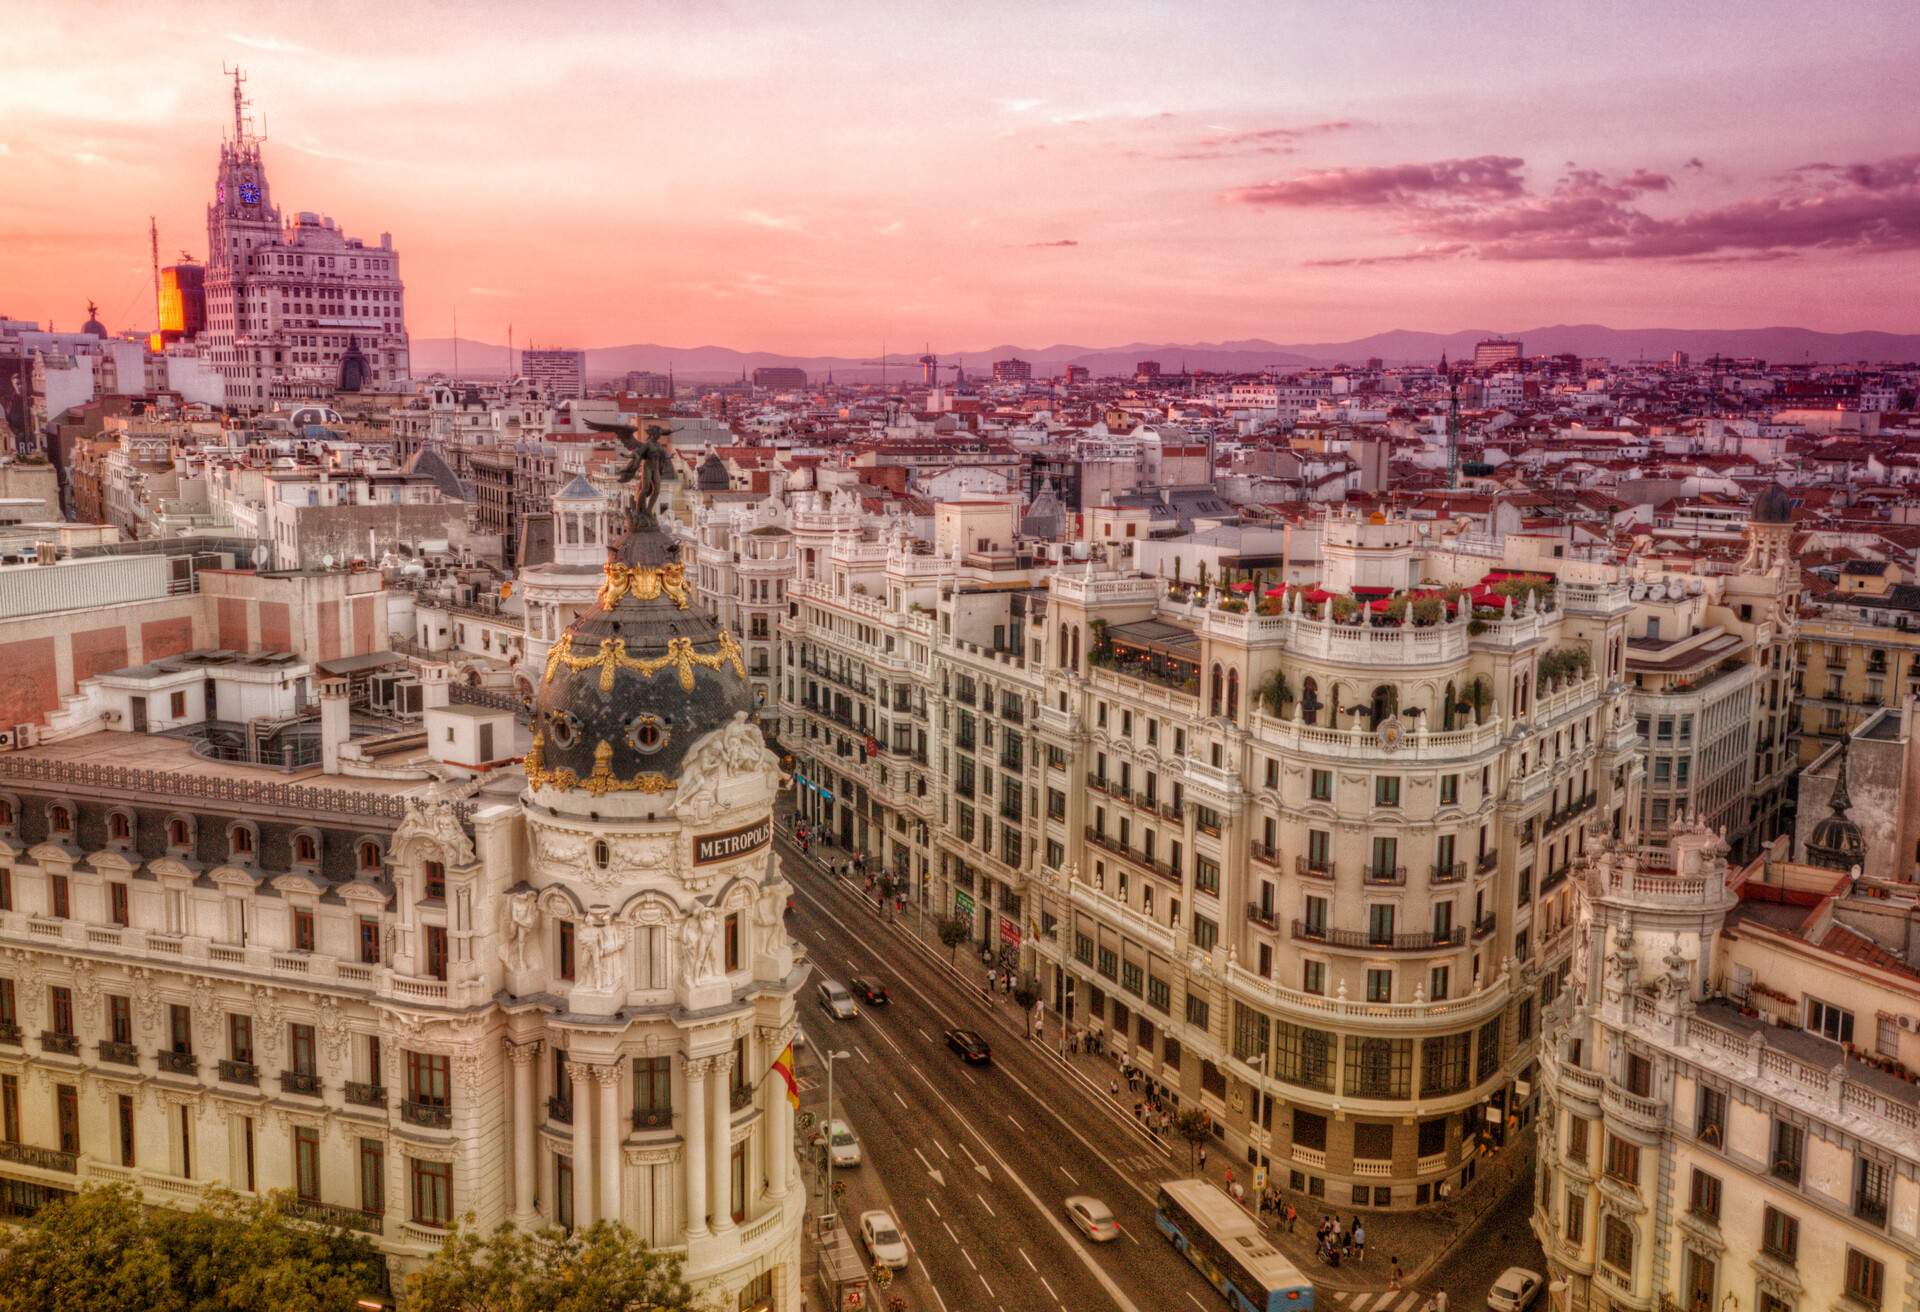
[
  {"x": 838, "y": 1143},
  {"x": 838, "y": 1002},
  {"x": 883, "y": 1240}
]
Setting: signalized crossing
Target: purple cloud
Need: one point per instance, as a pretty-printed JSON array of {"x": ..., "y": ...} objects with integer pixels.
[
  {"x": 1249, "y": 142},
  {"x": 1051, "y": 245},
  {"x": 1482, "y": 178},
  {"x": 1869, "y": 207}
]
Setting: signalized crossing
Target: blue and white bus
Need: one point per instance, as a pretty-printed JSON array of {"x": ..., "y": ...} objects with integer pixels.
[{"x": 1229, "y": 1249}]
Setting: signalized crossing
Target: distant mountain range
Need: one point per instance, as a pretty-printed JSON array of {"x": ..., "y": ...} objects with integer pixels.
[{"x": 1400, "y": 346}]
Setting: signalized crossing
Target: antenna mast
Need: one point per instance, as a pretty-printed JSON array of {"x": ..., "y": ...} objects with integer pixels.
[
  {"x": 1453, "y": 425},
  {"x": 153, "y": 236},
  {"x": 239, "y": 103}
]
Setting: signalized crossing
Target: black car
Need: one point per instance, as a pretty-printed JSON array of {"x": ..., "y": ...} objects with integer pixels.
[
  {"x": 972, "y": 1048},
  {"x": 869, "y": 990}
]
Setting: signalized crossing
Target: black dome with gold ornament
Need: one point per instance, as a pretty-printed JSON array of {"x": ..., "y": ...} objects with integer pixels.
[{"x": 635, "y": 681}]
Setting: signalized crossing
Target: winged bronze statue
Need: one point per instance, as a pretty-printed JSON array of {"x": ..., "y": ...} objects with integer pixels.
[{"x": 648, "y": 461}]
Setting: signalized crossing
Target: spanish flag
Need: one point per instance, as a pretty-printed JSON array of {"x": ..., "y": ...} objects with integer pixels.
[{"x": 783, "y": 1066}]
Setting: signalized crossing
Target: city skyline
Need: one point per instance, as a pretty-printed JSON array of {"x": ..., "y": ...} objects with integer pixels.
[{"x": 1082, "y": 177}]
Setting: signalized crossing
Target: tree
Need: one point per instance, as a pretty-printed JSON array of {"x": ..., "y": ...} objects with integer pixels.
[
  {"x": 953, "y": 931},
  {"x": 1196, "y": 1127},
  {"x": 604, "y": 1268},
  {"x": 1027, "y": 992},
  {"x": 104, "y": 1247}
]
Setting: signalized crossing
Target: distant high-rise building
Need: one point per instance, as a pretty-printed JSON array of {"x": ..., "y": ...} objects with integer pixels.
[
  {"x": 779, "y": 376},
  {"x": 290, "y": 309},
  {"x": 1147, "y": 369},
  {"x": 645, "y": 382},
  {"x": 1012, "y": 371},
  {"x": 1078, "y": 373},
  {"x": 183, "y": 301},
  {"x": 558, "y": 373},
  {"x": 1495, "y": 351}
]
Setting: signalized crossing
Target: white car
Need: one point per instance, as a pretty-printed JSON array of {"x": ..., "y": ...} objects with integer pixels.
[
  {"x": 882, "y": 1238},
  {"x": 1515, "y": 1290},
  {"x": 837, "y": 1001},
  {"x": 1093, "y": 1217},
  {"x": 838, "y": 1143}
]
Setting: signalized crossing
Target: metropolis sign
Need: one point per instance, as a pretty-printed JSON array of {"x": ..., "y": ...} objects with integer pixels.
[{"x": 708, "y": 848}]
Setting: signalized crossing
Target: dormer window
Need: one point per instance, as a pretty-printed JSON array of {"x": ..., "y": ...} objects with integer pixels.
[
  {"x": 436, "y": 881},
  {"x": 305, "y": 849},
  {"x": 60, "y": 820},
  {"x": 179, "y": 834},
  {"x": 369, "y": 856},
  {"x": 241, "y": 841},
  {"x": 119, "y": 828},
  {"x": 6, "y": 813}
]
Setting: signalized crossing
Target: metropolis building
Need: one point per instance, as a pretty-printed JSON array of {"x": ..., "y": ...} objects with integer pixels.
[
  {"x": 300, "y": 311},
  {"x": 545, "y": 996}
]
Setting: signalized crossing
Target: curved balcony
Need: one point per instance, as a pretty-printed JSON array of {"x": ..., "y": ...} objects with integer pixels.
[
  {"x": 433, "y": 1116},
  {"x": 1322, "y": 1009}
]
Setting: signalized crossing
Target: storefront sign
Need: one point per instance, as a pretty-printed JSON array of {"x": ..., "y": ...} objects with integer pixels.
[
  {"x": 962, "y": 903},
  {"x": 708, "y": 848},
  {"x": 1009, "y": 932}
]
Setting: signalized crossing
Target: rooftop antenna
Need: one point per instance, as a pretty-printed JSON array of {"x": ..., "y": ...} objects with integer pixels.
[
  {"x": 153, "y": 236},
  {"x": 1453, "y": 424},
  {"x": 239, "y": 102}
]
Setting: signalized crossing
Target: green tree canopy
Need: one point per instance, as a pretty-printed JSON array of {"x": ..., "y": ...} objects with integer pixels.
[
  {"x": 105, "y": 1248},
  {"x": 605, "y": 1268}
]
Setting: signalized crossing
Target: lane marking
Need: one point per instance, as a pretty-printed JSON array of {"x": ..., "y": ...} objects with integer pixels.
[
  {"x": 938, "y": 1297},
  {"x": 969, "y": 1256},
  {"x": 1029, "y": 1261},
  {"x": 1016, "y": 1124},
  {"x": 1069, "y": 1174},
  {"x": 984, "y": 1203},
  {"x": 1196, "y": 1302},
  {"x": 863, "y": 1054},
  {"x": 1049, "y": 1288},
  {"x": 928, "y": 1200},
  {"x": 1123, "y": 1230},
  {"x": 943, "y": 1150},
  {"x": 951, "y": 1235},
  {"x": 902, "y": 1101},
  {"x": 989, "y": 1288},
  {"x": 923, "y": 1034}
]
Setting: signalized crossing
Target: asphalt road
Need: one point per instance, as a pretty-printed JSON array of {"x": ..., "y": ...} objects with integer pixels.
[
  {"x": 1503, "y": 1239},
  {"x": 976, "y": 1162}
]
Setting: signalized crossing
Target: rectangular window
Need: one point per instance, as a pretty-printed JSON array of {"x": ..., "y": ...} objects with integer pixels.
[
  {"x": 1829, "y": 1021},
  {"x": 180, "y": 1028},
  {"x": 1379, "y": 1068},
  {"x": 117, "y": 904},
  {"x": 1780, "y": 1236},
  {"x": 1322, "y": 785},
  {"x": 373, "y": 1177},
  {"x": 1159, "y": 995},
  {"x": 730, "y": 937},
  {"x": 436, "y": 941},
  {"x": 1872, "y": 1189},
  {"x": 300, "y": 1042},
  {"x": 1449, "y": 790},
  {"x": 1205, "y": 933},
  {"x": 1319, "y": 850},
  {"x": 1703, "y": 1198},
  {"x": 1623, "y": 1160},
  {"x": 61, "y": 999},
  {"x": 306, "y": 1163},
  {"x": 62, "y": 909},
  {"x": 737, "y": 1183},
  {"x": 1206, "y": 875},
  {"x": 119, "y": 1018},
  {"x": 1132, "y": 978},
  {"x": 1380, "y": 923},
  {"x": 66, "y": 1101},
  {"x": 652, "y": 1090},
  {"x": 123, "y": 1107},
  {"x": 432, "y": 1189},
  {"x": 436, "y": 881},
  {"x": 1576, "y": 1217},
  {"x": 1789, "y": 1143},
  {"x": 1379, "y": 985},
  {"x": 1577, "y": 1134},
  {"x": 566, "y": 949},
  {"x": 1198, "y": 1012},
  {"x": 1446, "y": 1067},
  {"x": 10, "y": 1107},
  {"x": 427, "y": 1082},
  {"x": 239, "y": 1037},
  {"x": 1302, "y": 1056},
  {"x": 370, "y": 940},
  {"x": 302, "y": 929},
  {"x": 1109, "y": 963},
  {"x": 1710, "y": 1118},
  {"x": 1866, "y": 1278},
  {"x": 1386, "y": 790},
  {"x": 1617, "y": 1249},
  {"x": 1438, "y": 983},
  {"x": 1313, "y": 977}
]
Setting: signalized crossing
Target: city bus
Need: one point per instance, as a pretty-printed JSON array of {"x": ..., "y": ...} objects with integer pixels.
[{"x": 1229, "y": 1249}]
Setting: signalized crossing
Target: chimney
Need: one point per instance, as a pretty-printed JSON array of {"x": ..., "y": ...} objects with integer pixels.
[
  {"x": 436, "y": 682},
  {"x": 336, "y": 724},
  {"x": 43, "y": 553}
]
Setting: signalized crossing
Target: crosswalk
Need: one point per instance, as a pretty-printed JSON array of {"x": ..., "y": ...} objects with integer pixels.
[{"x": 1378, "y": 1300}]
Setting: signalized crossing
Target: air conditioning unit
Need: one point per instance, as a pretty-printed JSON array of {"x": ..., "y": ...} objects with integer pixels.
[
  {"x": 1906, "y": 1022},
  {"x": 6, "y": 740}
]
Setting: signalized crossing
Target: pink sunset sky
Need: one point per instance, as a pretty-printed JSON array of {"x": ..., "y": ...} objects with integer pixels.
[{"x": 818, "y": 178}]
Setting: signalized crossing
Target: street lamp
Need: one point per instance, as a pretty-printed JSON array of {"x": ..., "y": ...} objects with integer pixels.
[{"x": 832, "y": 1217}]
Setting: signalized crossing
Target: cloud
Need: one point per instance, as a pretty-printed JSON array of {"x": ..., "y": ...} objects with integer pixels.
[
  {"x": 1224, "y": 142},
  {"x": 1484, "y": 177},
  {"x": 891, "y": 229},
  {"x": 1020, "y": 104},
  {"x": 773, "y": 222},
  {"x": 271, "y": 44},
  {"x": 1869, "y": 207},
  {"x": 1695, "y": 163},
  {"x": 1051, "y": 245}
]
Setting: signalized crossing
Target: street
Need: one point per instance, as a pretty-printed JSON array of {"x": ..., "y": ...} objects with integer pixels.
[{"x": 975, "y": 1163}]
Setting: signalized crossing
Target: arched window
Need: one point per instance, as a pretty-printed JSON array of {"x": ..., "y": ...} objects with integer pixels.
[
  {"x": 1386, "y": 701},
  {"x": 1233, "y": 694},
  {"x": 242, "y": 842},
  {"x": 305, "y": 849},
  {"x": 118, "y": 827},
  {"x": 1447, "y": 708},
  {"x": 6, "y": 812},
  {"x": 178, "y": 833},
  {"x": 601, "y": 854},
  {"x": 1213, "y": 692},
  {"x": 60, "y": 820},
  {"x": 1310, "y": 700},
  {"x": 369, "y": 855}
]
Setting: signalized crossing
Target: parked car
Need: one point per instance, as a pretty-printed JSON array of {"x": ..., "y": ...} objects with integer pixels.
[
  {"x": 1093, "y": 1218},
  {"x": 972, "y": 1048},
  {"x": 869, "y": 990},
  {"x": 882, "y": 1238},
  {"x": 1515, "y": 1290},
  {"x": 837, "y": 1142},
  {"x": 837, "y": 1001}
]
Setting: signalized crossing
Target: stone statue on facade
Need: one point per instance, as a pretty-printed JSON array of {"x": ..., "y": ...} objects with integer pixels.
[
  {"x": 600, "y": 944},
  {"x": 521, "y": 917},
  {"x": 699, "y": 938}
]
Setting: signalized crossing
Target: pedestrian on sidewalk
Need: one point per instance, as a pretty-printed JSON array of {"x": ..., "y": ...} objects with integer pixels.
[
  {"x": 989, "y": 989},
  {"x": 1359, "y": 1241},
  {"x": 1393, "y": 1279},
  {"x": 1113, "y": 1089},
  {"x": 1203, "y": 1157}
]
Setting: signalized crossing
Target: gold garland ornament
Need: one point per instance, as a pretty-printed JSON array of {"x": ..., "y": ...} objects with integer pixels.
[
  {"x": 644, "y": 583},
  {"x": 599, "y": 783},
  {"x": 612, "y": 655}
]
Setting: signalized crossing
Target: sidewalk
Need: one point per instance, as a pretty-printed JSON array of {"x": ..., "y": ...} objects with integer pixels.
[{"x": 1420, "y": 1240}]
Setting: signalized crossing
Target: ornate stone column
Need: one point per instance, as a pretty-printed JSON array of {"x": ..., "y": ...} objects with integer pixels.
[
  {"x": 720, "y": 1145},
  {"x": 608, "y": 1078},
  {"x": 581, "y": 1079},
  {"x": 696, "y": 1136},
  {"x": 525, "y": 1121},
  {"x": 779, "y": 1138}
]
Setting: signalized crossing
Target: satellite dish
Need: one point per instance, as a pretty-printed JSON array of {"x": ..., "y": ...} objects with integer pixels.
[
  {"x": 260, "y": 555},
  {"x": 327, "y": 560}
]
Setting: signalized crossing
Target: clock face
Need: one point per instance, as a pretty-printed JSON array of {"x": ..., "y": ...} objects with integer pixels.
[{"x": 249, "y": 193}]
